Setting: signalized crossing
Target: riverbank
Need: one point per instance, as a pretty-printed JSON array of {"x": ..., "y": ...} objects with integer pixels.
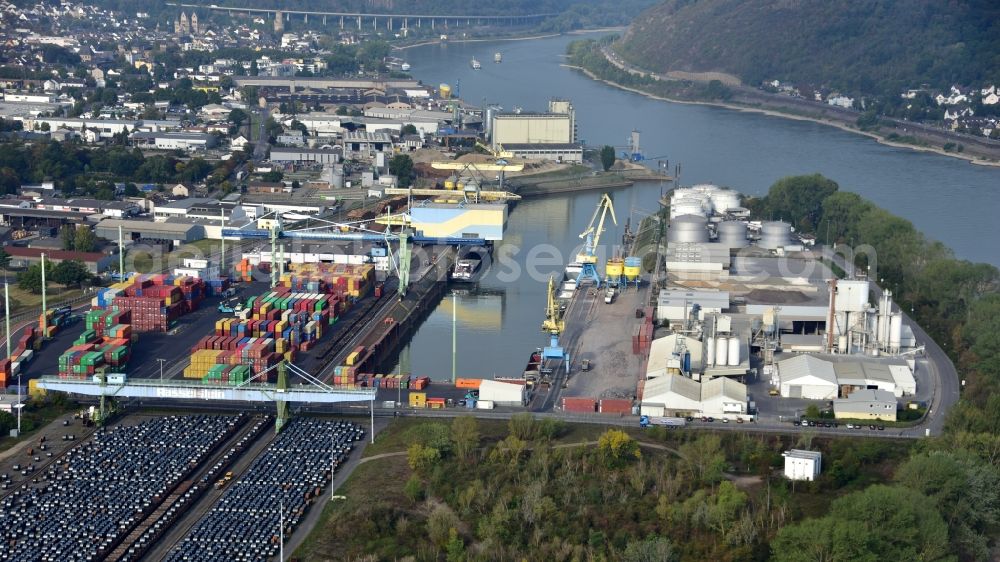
[
  {"x": 776, "y": 112},
  {"x": 482, "y": 40}
]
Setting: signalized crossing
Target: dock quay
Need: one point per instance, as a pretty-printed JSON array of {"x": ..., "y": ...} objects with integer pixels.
[{"x": 390, "y": 321}]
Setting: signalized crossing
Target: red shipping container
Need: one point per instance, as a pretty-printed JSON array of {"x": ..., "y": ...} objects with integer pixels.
[
  {"x": 615, "y": 406},
  {"x": 579, "y": 405}
]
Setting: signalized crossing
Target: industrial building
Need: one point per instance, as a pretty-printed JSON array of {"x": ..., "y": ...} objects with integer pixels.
[
  {"x": 559, "y": 152},
  {"x": 677, "y": 395},
  {"x": 866, "y": 405},
  {"x": 173, "y": 140},
  {"x": 295, "y": 154},
  {"x": 802, "y": 465},
  {"x": 96, "y": 262},
  {"x": 825, "y": 377},
  {"x": 676, "y": 305},
  {"x": 536, "y": 136},
  {"x": 114, "y": 209},
  {"x": 133, "y": 230}
]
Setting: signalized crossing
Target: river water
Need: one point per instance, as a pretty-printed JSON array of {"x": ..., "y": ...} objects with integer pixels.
[{"x": 498, "y": 323}]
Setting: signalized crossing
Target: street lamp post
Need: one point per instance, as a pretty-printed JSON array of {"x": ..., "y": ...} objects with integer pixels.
[{"x": 161, "y": 368}]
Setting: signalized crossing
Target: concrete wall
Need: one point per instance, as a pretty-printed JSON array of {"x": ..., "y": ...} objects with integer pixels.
[{"x": 539, "y": 129}]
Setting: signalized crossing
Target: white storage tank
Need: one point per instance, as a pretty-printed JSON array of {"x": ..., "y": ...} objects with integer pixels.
[
  {"x": 896, "y": 331},
  {"x": 734, "y": 352},
  {"x": 775, "y": 234},
  {"x": 724, "y": 200},
  {"x": 733, "y": 234},
  {"x": 842, "y": 344},
  {"x": 722, "y": 351},
  {"x": 688, "y": 228},
  {"x": 710, "y": 351}
]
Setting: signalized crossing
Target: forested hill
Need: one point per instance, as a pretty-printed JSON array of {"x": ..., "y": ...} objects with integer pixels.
[{"x": 857, "y": 46}]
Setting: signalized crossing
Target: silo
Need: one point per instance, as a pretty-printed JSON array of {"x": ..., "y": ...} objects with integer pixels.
[
  {"x": 722, "y": 351},
  {"x": 724, "y": 200},
  {"x": 734, "y": 352},
  {"x": 775, "y": 234},
  {"x": 710, "y": 351},
  {"x": 338, "y": 177},
  {"x": 688, "y": 228},
  {"x": 896, "y": 331},
  {"x": 842, "y": 344},
  {"x": 633, "y": 268},
  {"x": 733, "y": 234},
  {"x": 840, "y": 324},
  {"x": 445, "y": 91},
  {"x": 691, "y": 204}
]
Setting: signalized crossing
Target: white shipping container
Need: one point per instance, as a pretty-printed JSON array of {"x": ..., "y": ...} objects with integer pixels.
[
  {"x": 15, "y": 368},
  {"x": 26, "y": 356},
  {"x": 484, "y": 405}
]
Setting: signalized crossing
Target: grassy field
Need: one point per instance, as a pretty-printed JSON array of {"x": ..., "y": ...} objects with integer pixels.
[{"x": 22, "y": 301}]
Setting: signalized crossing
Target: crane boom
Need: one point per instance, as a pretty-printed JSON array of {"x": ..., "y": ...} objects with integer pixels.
[
  {"x": 588, "y": 257},
  {"x": 553, "y": 323}
]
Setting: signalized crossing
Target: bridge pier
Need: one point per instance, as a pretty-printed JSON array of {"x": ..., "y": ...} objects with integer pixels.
[
  {"x": 324, "y": 21},
  {"x": 305, "y": 18},
  {"x": 359, "y": 23},
  {"x": 390, "y": 24}
]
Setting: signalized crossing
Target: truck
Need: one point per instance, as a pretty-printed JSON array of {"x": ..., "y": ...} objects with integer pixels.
[
  {"x": 609, "y": 295},
  {"x": 646, "y": 421},
  {"x": 230, "y": 306}
]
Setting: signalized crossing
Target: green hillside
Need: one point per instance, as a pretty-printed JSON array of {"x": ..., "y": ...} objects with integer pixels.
[{"x": 857, "y": 46}]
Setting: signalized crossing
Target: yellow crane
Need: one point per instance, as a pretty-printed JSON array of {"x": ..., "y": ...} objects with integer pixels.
[
  {"x": 588, "y": 257},
  {"x": 498, "y": 152},
  {"x": 553, "y": 323}
]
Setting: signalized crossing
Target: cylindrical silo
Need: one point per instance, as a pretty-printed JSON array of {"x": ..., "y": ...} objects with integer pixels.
[
  {"x": 840, "y": 323},
  {"x": 734, "y": 352},
  {"x": 842, "y": 344},
  {"x": 733, "y": 234},
  {"x": 688, "y": 228},
  {"x": 710, "y": 351},
  {"x": 775, "y": 234},
  {"x": 896, "y": 331},
  {"x": 722, "y": 351},
  {"x": 724, "y": 200}
]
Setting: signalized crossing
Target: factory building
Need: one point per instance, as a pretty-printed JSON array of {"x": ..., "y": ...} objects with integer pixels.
[
  {"x": 826, "y": 377},
  {"x": 807, "y": 377},
  {"x": 802, "y": 465},
  {"x": 319, "y": 155},
  {"x": 866, "y": 405},
  {"x": 559, "y": 152},
  {"x": 151, "y": 231},
  {"x": 677, "y": 395},
  {"x": 537, "y": 136},
  {"x": 96, "y": 262},
  {"x": 173, "y": 140},
  {"x": 677, "y": 305}
]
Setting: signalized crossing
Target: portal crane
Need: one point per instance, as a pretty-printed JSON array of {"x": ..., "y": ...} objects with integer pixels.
[
  {"x": 588, "y": 257},
  {"x": 554, "y": 325}
]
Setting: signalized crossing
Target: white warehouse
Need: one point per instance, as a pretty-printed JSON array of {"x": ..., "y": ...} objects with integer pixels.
[{"x": 808, "y": 377}]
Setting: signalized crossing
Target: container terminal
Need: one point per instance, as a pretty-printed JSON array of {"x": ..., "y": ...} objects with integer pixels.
[{"x": 694, "y": 317}]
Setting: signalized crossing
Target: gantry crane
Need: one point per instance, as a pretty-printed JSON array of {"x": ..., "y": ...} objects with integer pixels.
[{"x": 588, "y": 257}]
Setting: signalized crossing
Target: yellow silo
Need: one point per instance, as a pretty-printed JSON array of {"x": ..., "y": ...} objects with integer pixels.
[
  {"x": 633, "y": 268},
  {"x": 450, "y": 182},
  {"x": 445, "y": 91},
  {"x": 613, "y": 269}
]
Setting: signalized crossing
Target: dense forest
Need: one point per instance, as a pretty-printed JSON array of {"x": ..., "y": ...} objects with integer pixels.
[{"x": 868, "y": 47}]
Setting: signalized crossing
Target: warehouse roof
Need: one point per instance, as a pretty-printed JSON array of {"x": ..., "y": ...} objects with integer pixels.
[
  {"x": 60, "y": 255},
  {"x": 725, "y": 387},
  {"x": 147, "y": 226},
  {"x": 806, "y": 366},
  {"x": 43, "y": 213},
  {"x": 677, "y": 384}
]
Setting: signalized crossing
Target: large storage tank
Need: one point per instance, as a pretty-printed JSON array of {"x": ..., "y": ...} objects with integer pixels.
[
  {"x": 896, "y": 331},
  {"x": 691, "y": 204},
  {"x": 840, "y": 323},
  {"x": 733, "y": 234},
  {"x": 450, "y": 182},
  {"x": 614, "y": 268},
  {"x": 734, "y": 352},
  {"x": 724, "y": 200},
  {"x": 444, "y": 91},
  {"x": 710, "y": 351},
  {"x": 688, "y": 228},
  {"x": 722, "y": 351},
  {"x": 775, "y": 234}
]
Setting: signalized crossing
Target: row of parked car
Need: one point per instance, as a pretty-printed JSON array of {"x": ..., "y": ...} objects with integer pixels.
[{"x": 812, "y": 423}]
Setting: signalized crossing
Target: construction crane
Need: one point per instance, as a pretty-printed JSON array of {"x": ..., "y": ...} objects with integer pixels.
[
  {"x": 588, "y": 257},
  {"x": 501, "y": 167},
  {"x": 498, "y": 153}
]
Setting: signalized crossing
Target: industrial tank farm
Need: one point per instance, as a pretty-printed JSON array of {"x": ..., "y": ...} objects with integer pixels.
[
  {"x": 88, "y": 501},
  {"x": 289, "y": 475}
]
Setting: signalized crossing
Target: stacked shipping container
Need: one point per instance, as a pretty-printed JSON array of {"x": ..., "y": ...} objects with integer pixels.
[{"x": 353, "y": 280}]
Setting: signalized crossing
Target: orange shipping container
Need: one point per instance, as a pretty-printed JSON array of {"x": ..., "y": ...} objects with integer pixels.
[{"x": 468, "y": 383}]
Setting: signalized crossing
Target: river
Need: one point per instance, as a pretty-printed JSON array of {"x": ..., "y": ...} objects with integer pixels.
[{"x": 498, "y": 324}]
